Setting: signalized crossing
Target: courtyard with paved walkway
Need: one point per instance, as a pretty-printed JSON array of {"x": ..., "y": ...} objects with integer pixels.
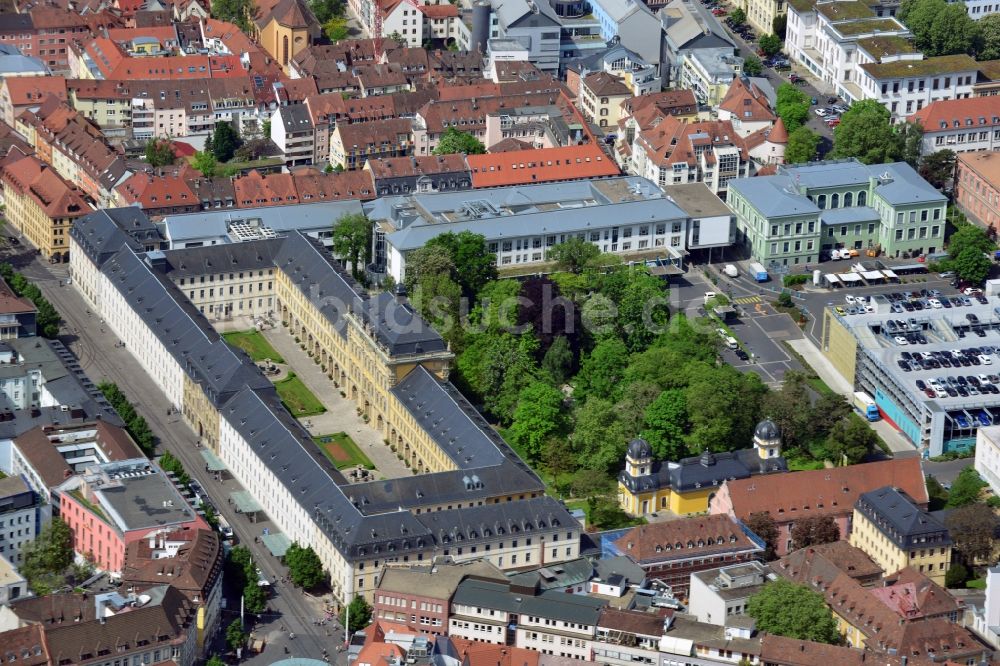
[{"x": 341, "y": 414}]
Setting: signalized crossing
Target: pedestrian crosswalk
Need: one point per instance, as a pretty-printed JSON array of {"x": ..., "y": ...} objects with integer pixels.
[{"x": 747, "y": 300}]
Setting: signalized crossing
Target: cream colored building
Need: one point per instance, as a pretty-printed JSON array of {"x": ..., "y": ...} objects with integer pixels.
[
  {"x": 482, "y": 501},
  {"x": 897, "y": 533},
  {"x": 601, "y": 97},
  {"x": 761, "y": 13}
]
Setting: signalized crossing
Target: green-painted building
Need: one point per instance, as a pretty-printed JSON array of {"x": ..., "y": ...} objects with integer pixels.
[{"x": 790, "y": 218}]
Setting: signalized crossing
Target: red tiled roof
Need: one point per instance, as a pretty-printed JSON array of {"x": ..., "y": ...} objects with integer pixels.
[
  {"x": 745, "y": 98},
  {"x": 971, "y": 113},
  {"x": 820, "y": 492},
  {"x": 36, "y": 179},
  {"x": 116, "y": 65},
  {"x": 673, "y": 141},
  {"x": 439, "y": 11},
  {"x": 161, "y": 190},
  {"x": 165, "y": 33},
  {"x": 396, "y": 167},
  {"x": 24, "y": 90},
  {"x": 684, "y": 538},
  {"x": 476, "y": 653},
  {"x": 542, "y": 165},
  {"x": 778, "y": 133}
]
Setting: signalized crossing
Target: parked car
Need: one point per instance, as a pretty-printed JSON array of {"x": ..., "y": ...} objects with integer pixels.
[
  {"x": 821, "y": 112},
  {"x": 719, "y": 12},
  {"x": 795, "y": 78},
  {"x": 833, "y": 122}
]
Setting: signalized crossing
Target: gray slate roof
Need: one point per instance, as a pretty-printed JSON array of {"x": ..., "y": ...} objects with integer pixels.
[
  {"x": 900, "y": 519},
  {"x": 710, "y": 470},
  {"x": 509, "y": 477},
  {"x": 550, "y": 605},
  {"x": 98, "y": 235},
  {"x": 773, "y": 196},
  {"x": 334, "y": 292},
  {"x": 296, "y": 118},
  {"x": 452, "y": 422},
  {"x": 251, "y": 255}
]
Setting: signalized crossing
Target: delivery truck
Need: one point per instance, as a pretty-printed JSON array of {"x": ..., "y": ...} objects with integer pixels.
[
  {"x": 758, "y": 272},
  {"x": 731, "y": 271},
  {"x": 864, "y": 404}
]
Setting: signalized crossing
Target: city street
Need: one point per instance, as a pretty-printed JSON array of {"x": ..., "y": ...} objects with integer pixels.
[
  {"x": 811, "y": 87},
  {"x": 290, "y": 610}
]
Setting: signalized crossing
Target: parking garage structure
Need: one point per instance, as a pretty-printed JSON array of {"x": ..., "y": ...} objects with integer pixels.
[{"x": 870, "y": 350}]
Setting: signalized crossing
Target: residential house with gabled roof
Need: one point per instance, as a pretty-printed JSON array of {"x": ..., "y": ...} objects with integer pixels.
[
  {"x": 293, "y": 132},
  {"x": 160, "y": 192},
  {"x": 601, "y": 98},
  {"x": 826, "y": 561},
  {"x": 21, "y": 93},
  {"x": 687, "y": 27},
  {"x": 191, "y": 561},
  {"x": 426, "y": 173},
  {"x": 674, "y": 151},
  {"x": 746, "y": 107},
  {"x": 351, "y": 145}
]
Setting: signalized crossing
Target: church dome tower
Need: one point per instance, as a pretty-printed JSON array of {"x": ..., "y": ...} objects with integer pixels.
[
  {"x": 638, "y": 458},
  {"x": 767, "y": 439}
]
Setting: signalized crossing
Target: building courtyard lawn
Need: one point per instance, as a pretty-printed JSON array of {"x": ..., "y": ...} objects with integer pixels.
[
  {"x": 255, "y": 344},
  {"x": 342, "y": 451},
  {"x": 297, "y": 398}
]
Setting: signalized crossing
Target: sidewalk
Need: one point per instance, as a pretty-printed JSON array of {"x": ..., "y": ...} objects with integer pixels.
[
  {"x": 341, "y": 414},
  {"x": 893, "y": 438}
]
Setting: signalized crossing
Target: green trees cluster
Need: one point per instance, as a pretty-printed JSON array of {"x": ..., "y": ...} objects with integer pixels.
[
  {"x": 304, "y": 566},
  {"x": 787, "y": 609},
  {"x": 770, "y": 44},
  {"x": 356, "y": 615},
  {"x": 456, "y": 141},
  {"x": 223, "y": 142},
  {"x": 47, "y": 320},
  {"x": 234, "y": 11},
  {"x": 160, "y": 153},
  {"x": 752, "y": 66},
  {"x": 973, "y": 528},
  {"x": 813, "y": 531},
  {"x": 792, "y": 106},
  {"x": 241, "y": 574},
  {"x": 47, "y": 558},
  {"x": 945, "y": 28},
  {"x": 170, "y": 463},
  {"x": 969, "y": 252},
  {"x": 135, "y": 424},
  {"x": 352, "y": 241},
  {"x": 802, "y": 145},
  {"x": 966, "y": 489},
  {"x": 865, "y": 132}
]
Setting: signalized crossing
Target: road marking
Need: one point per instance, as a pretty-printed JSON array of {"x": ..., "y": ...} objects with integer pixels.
[{"x": 746, "y": 300}]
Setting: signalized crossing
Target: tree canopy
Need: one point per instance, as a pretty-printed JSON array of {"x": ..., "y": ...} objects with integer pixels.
[
  {"x": 792, "y": 106},
  {"x": 235, "y": 636},
  {"x": 966, "y": 489},
  {"x": 455, "y": 141},
  {"x": 939, "y": 27},
  {"x": 473, "y": 264},
  {"x": 770, "y": 44},
  {"x": 938, "y": 168},
  {"x": 573, "y": 254},
  {"x": 865, "y": 132},
  {"x": 813, "y": 531},
  {"x": 205, "y": 162},
  {"x": 46, "y": 559},
  {"x": 763, "y": 525},
  {"x": 972, "y": 265},
  {"x": 752, "y": 66},
  {"x": 159, "y": 153},
  {"x": 973, "y": 528},
  {"x": 969, "y": 236},
  {"x": 538, "y": 416},
  {"x": 223, "y": 141},
  {"x": 234, "y": 11},
  {"x": 358, "y": 613},
  {"x": 802, "y": 145},
  {"x": 989, "y": 37},
  {"x": 787, "y": 609},
  {"x": 738, "y": 16},
  {"x": 304, "y": 566},
  {"x": 352, "y": 240}
]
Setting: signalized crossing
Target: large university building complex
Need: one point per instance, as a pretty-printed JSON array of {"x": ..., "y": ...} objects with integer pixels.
[{"x": 471, "y": 497}]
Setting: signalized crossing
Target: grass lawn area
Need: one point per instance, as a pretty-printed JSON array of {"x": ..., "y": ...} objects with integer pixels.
[
  {"x": 297, "y": 398},
  {"x": 977, "y": 584},
  {"x": 255, "y": 344},
  {"x": 342, "y": 451},
  {"x": 801, "y": 464}
]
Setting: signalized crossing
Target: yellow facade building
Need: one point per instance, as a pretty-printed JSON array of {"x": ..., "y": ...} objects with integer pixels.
[
  {"x": 897, "y": 533},
  {"x": 685, "y": 487},
  {"x": 40, "y": 204},
  {"x": 761, "y": 13},
  {"x": 286, "y": 29}
]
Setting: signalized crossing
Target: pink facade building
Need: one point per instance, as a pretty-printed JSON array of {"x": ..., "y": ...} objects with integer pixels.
[
  {"x": 114, "y": 504},
  {"x": 977, "y": 187}
]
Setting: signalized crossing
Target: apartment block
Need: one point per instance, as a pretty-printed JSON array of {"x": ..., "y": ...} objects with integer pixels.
[{"x": 977, "y": 187}]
